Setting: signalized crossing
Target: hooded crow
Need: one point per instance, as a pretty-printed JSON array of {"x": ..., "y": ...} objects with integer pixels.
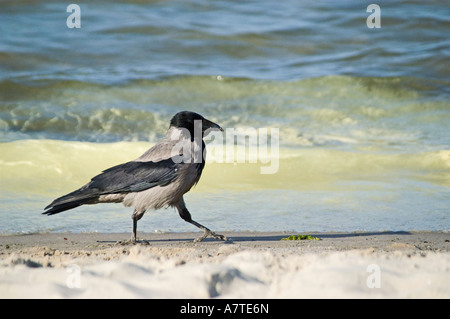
[{"x": 158, "y": 178}]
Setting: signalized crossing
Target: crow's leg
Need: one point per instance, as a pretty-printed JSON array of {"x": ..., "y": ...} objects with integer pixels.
[
  {"x": 133, "y": 234},
  {"x": 135, "y": 217},
  {"x": 206, "y": 232},
  {"x": 184, "y": 213}
]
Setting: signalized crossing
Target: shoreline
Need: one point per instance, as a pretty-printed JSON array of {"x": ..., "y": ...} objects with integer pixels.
[
  {"x": 384, "y": 240},
  {"x": 253, "y": 265}
]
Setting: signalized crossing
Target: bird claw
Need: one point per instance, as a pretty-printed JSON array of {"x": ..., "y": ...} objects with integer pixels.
[{"x": 212, "y": 234}]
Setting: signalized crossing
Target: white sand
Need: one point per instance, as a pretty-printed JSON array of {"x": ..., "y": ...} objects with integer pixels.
[{"x": 255, "y": 265}]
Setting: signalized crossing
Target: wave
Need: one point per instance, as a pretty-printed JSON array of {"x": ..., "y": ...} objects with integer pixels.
[{"x": 306, "y": 111}]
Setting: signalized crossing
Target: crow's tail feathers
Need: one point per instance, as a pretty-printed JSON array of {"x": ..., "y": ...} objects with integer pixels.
[
  {"x": 55, "y": 209},
  {"x": 77, "y": 198}
]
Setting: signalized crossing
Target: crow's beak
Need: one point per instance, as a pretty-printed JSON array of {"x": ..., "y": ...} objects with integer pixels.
[{"x": 207, "y": 124}]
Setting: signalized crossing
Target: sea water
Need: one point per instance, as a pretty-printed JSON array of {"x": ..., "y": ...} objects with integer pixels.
[{"x": 362, "y": 114}]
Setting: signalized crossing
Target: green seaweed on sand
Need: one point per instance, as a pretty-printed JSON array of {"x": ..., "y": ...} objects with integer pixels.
[{"x": 301, "y": 237}]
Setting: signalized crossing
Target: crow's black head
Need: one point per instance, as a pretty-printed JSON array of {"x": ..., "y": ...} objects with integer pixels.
[{"x": 189, "y": 120}]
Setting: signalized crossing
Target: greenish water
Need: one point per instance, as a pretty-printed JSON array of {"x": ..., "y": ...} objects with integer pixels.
[{"x": 363, "y": 114}]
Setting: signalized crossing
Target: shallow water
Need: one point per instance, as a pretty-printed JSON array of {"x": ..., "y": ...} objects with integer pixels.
[{"x": 362, "y": 113}]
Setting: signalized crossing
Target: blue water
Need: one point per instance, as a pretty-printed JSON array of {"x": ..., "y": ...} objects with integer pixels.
[{"x": 363, "y": 113}]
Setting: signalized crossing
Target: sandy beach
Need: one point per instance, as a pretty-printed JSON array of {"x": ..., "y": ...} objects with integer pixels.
[{"x": 253, "y": 265}]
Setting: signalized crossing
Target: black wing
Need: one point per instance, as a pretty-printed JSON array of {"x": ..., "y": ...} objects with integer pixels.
[
  {"x": 135, "y": 177},
  {"x": 123, "y": 178}
]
